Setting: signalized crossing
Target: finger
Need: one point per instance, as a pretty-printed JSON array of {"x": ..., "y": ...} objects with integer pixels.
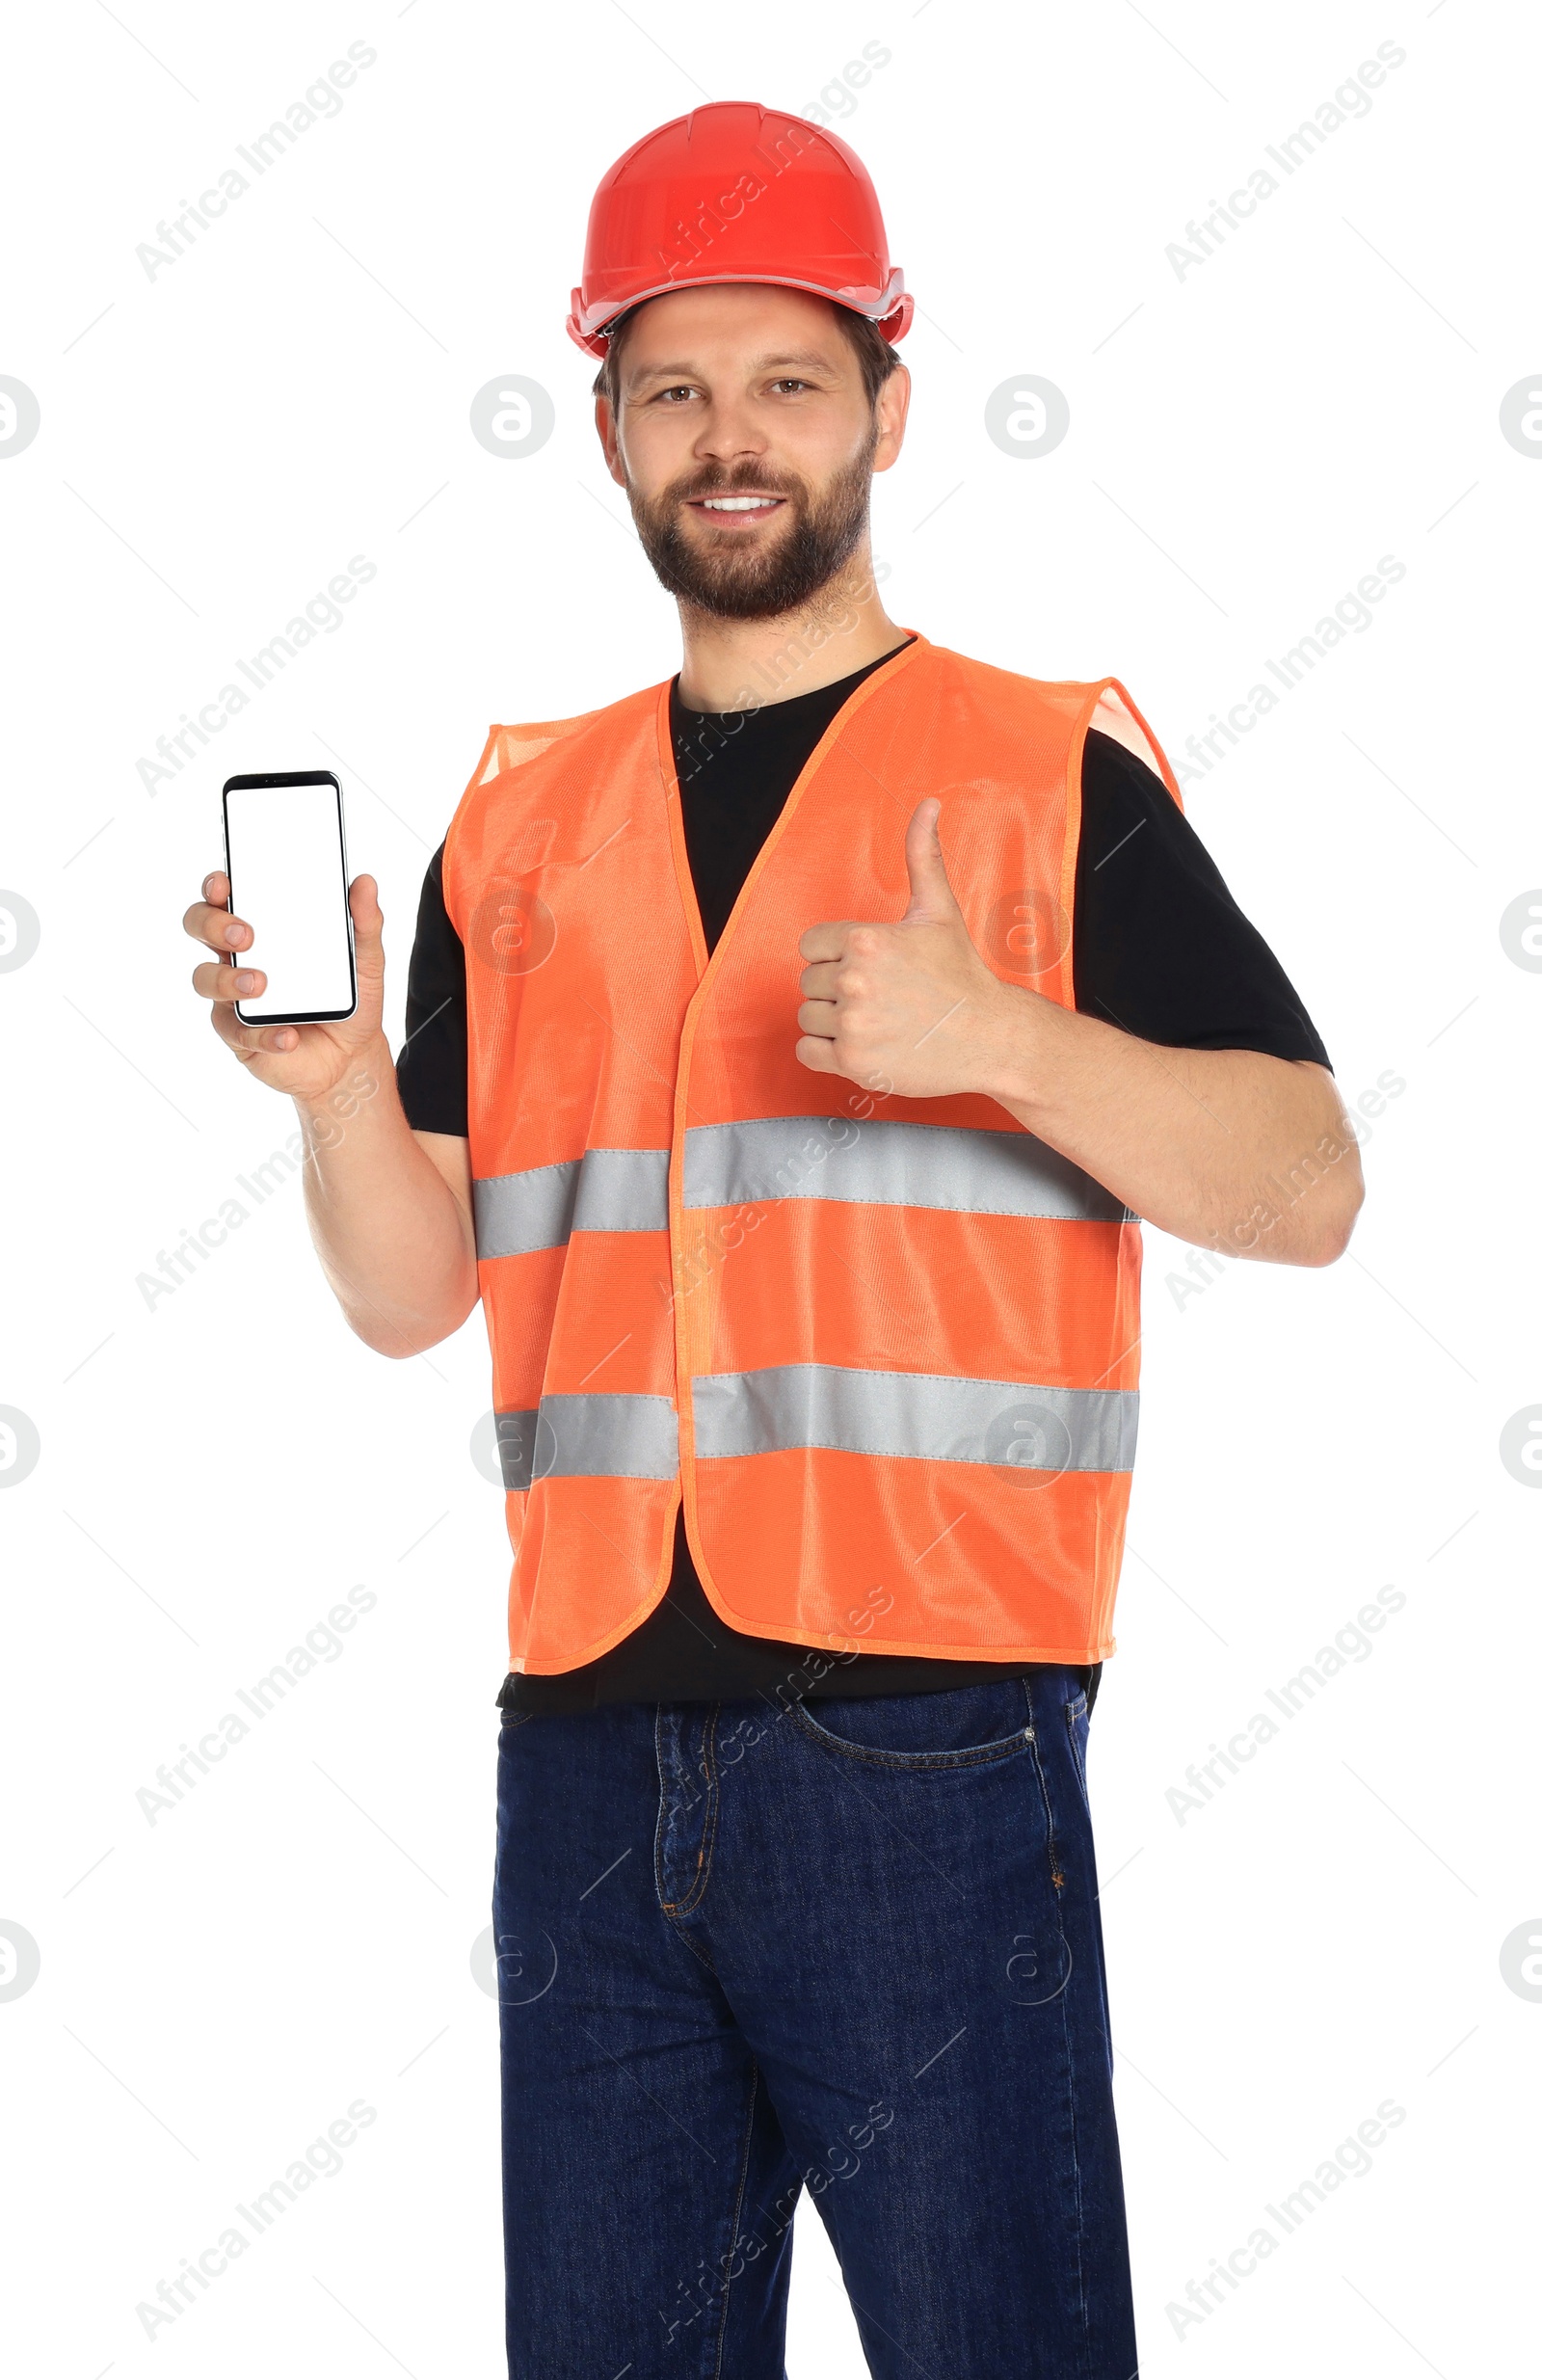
[
  {"x": 931, "y": 896},
  {"x": 249, "y": 1041},
  {"x": 212, "y": 983},
  {"x": 825, "y": 941},
  {"x": 817, "y": 1054},
  {"x": 217, "y": 886},
  {"x": 818, "y": 982},
  {"x": 819, "y": 1018},
  {"x": 216, "y": 927}
]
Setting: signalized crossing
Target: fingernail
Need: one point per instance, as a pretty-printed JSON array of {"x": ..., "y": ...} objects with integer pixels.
[
  {"x": 233, "y": 932},
  {"x": 245, "y": 982}
]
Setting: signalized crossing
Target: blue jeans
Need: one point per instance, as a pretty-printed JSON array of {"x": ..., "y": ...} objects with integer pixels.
[{"x": 848, "y": 1947}]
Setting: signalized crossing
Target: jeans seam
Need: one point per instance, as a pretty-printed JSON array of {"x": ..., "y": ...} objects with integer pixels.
[
  {"x": 1078, "y": 2223},
  {"x": 674, "y": 1910},
  {"x": 739, "y": 2208},
  {"x": 693, "y": 1899},
  {"x": 1082, "y": 2309},
  {"x": 1051, "y": 1844},
  {"x": 1075, "y": 1710}
]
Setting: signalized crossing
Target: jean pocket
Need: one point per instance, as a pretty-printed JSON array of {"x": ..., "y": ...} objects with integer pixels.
[{"x": 968, "y": 1726}]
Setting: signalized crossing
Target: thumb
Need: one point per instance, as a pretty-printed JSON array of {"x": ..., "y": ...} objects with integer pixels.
[
  {"x": 369, "y": 950},
  {"x": 363, "y": 902},
  {"x": 931, "y": 896}
]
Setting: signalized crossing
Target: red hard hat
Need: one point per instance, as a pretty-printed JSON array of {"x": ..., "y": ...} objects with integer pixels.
[{"x": 735, "y": 192}]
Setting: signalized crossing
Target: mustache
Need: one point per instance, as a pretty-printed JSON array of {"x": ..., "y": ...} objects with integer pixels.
[{"x": 742, "y": 482}]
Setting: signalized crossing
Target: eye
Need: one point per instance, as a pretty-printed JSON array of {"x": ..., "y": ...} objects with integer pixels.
[
  {"x": 667, "y": 395},
  {"x": 792, "y": 384}
]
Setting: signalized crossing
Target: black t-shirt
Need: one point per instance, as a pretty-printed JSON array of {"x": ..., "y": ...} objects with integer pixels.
[{"x": 1160, "y": 948}]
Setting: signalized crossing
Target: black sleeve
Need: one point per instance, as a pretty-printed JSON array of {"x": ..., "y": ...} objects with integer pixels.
[
  {"x": 432, "y": 1062},
  {"x": 1161, "y": 947}
]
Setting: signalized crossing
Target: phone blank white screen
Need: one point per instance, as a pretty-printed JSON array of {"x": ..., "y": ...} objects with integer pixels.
[{"x": 286, "y": 880}]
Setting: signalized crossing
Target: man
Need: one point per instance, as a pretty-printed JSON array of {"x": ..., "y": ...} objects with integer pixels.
[{"x": 792, "y": 1049}]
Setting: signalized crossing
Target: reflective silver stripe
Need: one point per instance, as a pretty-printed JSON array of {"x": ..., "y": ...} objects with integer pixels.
[
  {"x": 515, "y": 1435},
  {"x": 589, "y": 1437},
  {"x": 888, "y": 1164},
  {"x": 925, "y": 1415},
  {"x": 605, "y": 1190}
]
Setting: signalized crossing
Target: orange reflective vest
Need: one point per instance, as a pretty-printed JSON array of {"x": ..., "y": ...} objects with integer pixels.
[{"x": 886, "y": 1350}]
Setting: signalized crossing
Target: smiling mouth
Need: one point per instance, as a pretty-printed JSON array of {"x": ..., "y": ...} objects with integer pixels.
[{"x": 735, "y": 511}]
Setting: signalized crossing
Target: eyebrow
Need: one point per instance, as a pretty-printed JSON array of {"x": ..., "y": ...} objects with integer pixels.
[{"x": 807, "y": 357}]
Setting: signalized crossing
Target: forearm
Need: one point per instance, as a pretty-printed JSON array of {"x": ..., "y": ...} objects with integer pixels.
[
  {"x": 1224, "y": 1148},
  {"x": 395, "y": 1242}
]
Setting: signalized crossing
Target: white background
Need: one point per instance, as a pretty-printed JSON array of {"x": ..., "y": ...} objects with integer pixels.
[{"x": 1246, "y": 442}]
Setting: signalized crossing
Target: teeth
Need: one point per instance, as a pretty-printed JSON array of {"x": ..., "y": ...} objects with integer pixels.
[{"x": 737, "y": 504}]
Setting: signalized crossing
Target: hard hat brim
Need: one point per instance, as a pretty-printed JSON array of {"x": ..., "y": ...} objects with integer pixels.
[{"x": 589, "y": 328}]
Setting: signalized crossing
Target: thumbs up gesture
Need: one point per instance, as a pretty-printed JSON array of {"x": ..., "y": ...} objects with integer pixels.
[{"x": 910, "y": 1007}]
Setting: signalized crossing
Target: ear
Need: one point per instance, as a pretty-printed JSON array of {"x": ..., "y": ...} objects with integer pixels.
[{"x": 891, "y": 408}]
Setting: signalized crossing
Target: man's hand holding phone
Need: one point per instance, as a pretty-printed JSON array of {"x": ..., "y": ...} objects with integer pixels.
[
  {"x": 306, "y": 1061},
  {"x": 295, "y": 990}
]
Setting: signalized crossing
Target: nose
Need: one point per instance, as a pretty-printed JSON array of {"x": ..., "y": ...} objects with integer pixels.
[{"x": 729, "y": 435}]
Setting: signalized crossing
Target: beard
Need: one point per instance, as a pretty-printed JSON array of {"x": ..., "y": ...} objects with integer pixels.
[{"x": 726, "y": 579}]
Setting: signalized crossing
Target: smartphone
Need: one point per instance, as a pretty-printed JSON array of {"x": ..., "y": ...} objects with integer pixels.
[{"x": 287, "y": 863}]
